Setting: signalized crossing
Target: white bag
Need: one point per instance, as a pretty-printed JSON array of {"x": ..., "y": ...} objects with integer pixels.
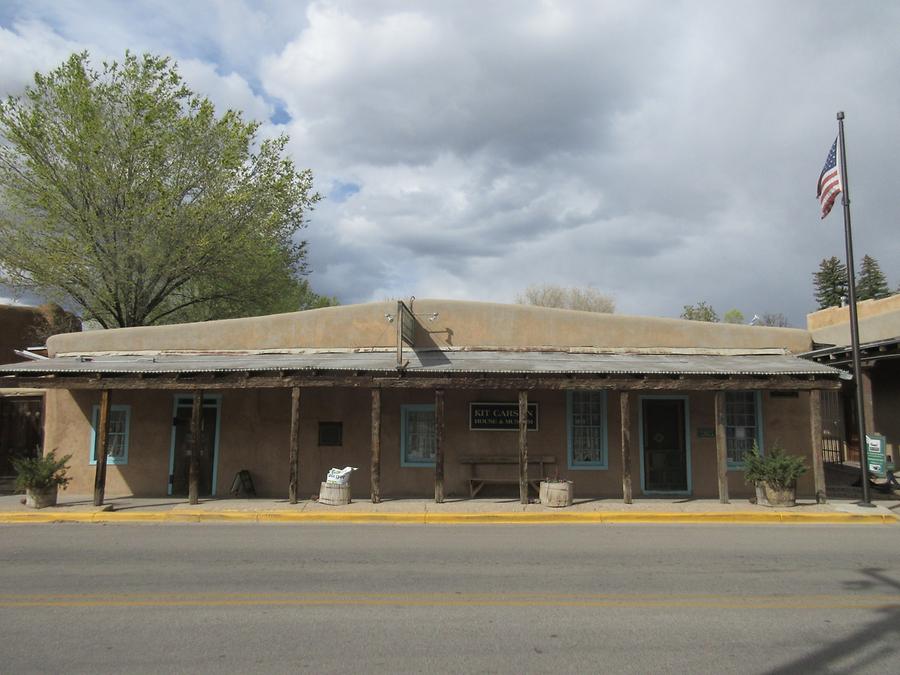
[{"x": 340, "y": 476}]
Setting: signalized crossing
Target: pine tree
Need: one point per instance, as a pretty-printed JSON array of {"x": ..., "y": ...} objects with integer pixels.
[
  {"x": 872, "y": 283},
  {"x": 830, "y": 283}
]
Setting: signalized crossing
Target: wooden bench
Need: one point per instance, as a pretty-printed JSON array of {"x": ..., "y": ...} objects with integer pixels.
[{"x": 476, "y": 482}]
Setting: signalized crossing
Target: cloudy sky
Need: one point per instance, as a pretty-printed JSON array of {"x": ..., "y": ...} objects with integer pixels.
[{"x": 662, "y": 152}]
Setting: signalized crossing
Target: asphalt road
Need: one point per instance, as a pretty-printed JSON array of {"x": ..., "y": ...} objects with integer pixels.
[{"x": 406, "y": 598}]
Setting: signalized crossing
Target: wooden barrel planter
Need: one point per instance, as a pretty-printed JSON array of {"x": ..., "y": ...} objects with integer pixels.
[
  {"x": 557, "y": 493},
  {"x": 334, "y": 495},
  {"x": 780, "y": 497},
  {"x": 41, "y": 498}
]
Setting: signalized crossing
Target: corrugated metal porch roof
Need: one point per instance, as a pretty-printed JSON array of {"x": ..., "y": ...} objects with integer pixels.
[{"x": 426, "y": 362}]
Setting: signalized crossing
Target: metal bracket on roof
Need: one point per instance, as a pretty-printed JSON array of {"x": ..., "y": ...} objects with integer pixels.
[{"x": 31, "y": 356}]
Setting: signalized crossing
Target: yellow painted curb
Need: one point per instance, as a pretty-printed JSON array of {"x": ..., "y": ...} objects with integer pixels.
[{"x": 424, "y": 518}]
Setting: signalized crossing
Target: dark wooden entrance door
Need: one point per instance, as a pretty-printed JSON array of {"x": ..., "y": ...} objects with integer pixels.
[
  {"x": 21, "y": 430},
  {"x": 665, "y": 445},
  {"x": 181, "y": 453}
]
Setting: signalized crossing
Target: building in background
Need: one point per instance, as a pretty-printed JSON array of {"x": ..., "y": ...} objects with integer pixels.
[{"x": 879, "y": 336}]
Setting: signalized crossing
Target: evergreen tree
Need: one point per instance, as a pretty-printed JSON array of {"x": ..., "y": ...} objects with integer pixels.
[
  {"x": 872, "y": 284},
  {"x": 831, "y": 283}
]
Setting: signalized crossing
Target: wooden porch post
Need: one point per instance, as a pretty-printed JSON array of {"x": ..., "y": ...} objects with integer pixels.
[
  {"x": 194, "y": 467},
  {"x": 295, "y": 445},
  {"x": 376, "y": 446},
  {"x": 625, "y": 407},
  {"x": 815, "y": 430},
  {"x": 102, "y": 449},
  {"x": 439, "y": 446},
  {"x": 721, "y": 447},
  {"x": 523, "y": 446},
  {"x": 868, "y": 399}
]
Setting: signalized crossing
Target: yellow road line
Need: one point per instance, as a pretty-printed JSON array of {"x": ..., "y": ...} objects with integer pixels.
[{"x": 700, "y": 601}]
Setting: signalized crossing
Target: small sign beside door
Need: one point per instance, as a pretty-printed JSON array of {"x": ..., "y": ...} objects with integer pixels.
[{"x": 876, "y": 454}]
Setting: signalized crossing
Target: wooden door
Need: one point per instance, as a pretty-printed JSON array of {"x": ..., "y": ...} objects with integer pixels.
[
  {"x": 178, "y": 479},
  {"x": 664, "y": 445}
]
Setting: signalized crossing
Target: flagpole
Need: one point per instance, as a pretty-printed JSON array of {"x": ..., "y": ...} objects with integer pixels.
[{"x": 854, "y": 322}]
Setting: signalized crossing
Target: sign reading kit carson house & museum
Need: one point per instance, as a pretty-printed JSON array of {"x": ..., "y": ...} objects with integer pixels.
[{"x": 494, "y": 416}]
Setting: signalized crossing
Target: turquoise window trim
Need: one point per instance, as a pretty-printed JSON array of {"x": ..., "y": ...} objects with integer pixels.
[
  {"x": 739, "y": 466},
  {"x": 404, "y": 409},
  {"x": 209, "y": 401},
  {"x": 687, "y": 443},
  {"x": 92, "y": 449},
  {"x": 604, "y": 433}
]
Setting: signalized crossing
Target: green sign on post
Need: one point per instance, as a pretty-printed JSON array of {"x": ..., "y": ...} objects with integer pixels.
[{"x": 875, "y": 448}]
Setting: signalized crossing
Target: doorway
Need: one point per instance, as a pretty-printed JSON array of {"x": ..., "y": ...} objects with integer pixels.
[
  {"x": 208, "y": 455},
  {"x": 665, "y": 446}
]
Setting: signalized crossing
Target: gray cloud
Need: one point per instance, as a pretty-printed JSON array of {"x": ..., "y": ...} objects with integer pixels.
[{"x": 665, "y": 153}]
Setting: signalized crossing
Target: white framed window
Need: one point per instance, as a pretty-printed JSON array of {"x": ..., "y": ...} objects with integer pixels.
[
  {"x": 117, "y": 440},
  {"x": 417, "y": 441},
  {"x": 743, "y": 425},
  {"x": 586, "y": 429}
]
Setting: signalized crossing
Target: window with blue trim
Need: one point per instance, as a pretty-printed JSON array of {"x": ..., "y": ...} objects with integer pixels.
[
  {"x": 587, "y": 429},
  {"x": 417, "y": 439},
  {"x": 117, "y": 440},
  {"x": 743, "y": 425}
]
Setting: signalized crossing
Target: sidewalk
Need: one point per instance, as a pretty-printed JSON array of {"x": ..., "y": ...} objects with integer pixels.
[{"x": 79, "y": 508}]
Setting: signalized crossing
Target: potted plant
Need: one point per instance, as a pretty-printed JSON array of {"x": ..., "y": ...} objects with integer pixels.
[
  {"x": 779, "y": 472},
  {"x": 754, "y": 474},
  {"x": 41, "y": 477},
  {"x": 782, "y": 472}
]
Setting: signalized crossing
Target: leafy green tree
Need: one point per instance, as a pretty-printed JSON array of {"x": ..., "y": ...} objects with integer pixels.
[
  {"x": 700, "y": 312},
  {"x": 587, "y": 299},
  {"x": 123, "y": 194},
  {"x": 831, "y": 283},
  {"x": 733, "y": 316},
  {"x": 872, "y": 284}
]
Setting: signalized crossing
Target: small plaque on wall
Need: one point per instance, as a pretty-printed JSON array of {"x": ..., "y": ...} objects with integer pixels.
[
  {"x": 500, "y": 416},
  {"x": 706, "y": 432}
]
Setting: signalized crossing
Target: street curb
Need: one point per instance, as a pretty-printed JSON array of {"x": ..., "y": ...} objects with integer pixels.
[{"x": 424, "y": 518}]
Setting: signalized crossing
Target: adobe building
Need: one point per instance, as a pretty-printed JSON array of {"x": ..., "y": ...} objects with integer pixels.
[
  {"x": 879, "y": 337},
  {"x": 21, "y": 409},
  {"x": 443, "y": 398}
]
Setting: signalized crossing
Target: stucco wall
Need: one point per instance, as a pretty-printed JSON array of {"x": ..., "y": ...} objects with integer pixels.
[
  {"x": 255, "y": 431},
  {"x": 458, "y": 324},
  {"x": 878, "y": 320},
  {"x": 886, "y": 390}
]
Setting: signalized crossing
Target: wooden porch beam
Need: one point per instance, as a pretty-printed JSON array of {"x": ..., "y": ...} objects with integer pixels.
[
  {"x": 523, "y": 446},
  {"x": 412, "y": 381},
  {"x": 439, "y": 446},
  {"x": 102, "y": 449},
  {"x": 815, "y": 430},
  {"x": 376, "y": 446},
  {"x": 721, "y": 447},
  {"x": 625, "y": 409},
  {"x": 295, "y": 445},
  {"x": 194, "y": 466}
]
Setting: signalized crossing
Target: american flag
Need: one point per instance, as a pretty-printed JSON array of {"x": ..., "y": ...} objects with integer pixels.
[{"x": 829, "y": 181}]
